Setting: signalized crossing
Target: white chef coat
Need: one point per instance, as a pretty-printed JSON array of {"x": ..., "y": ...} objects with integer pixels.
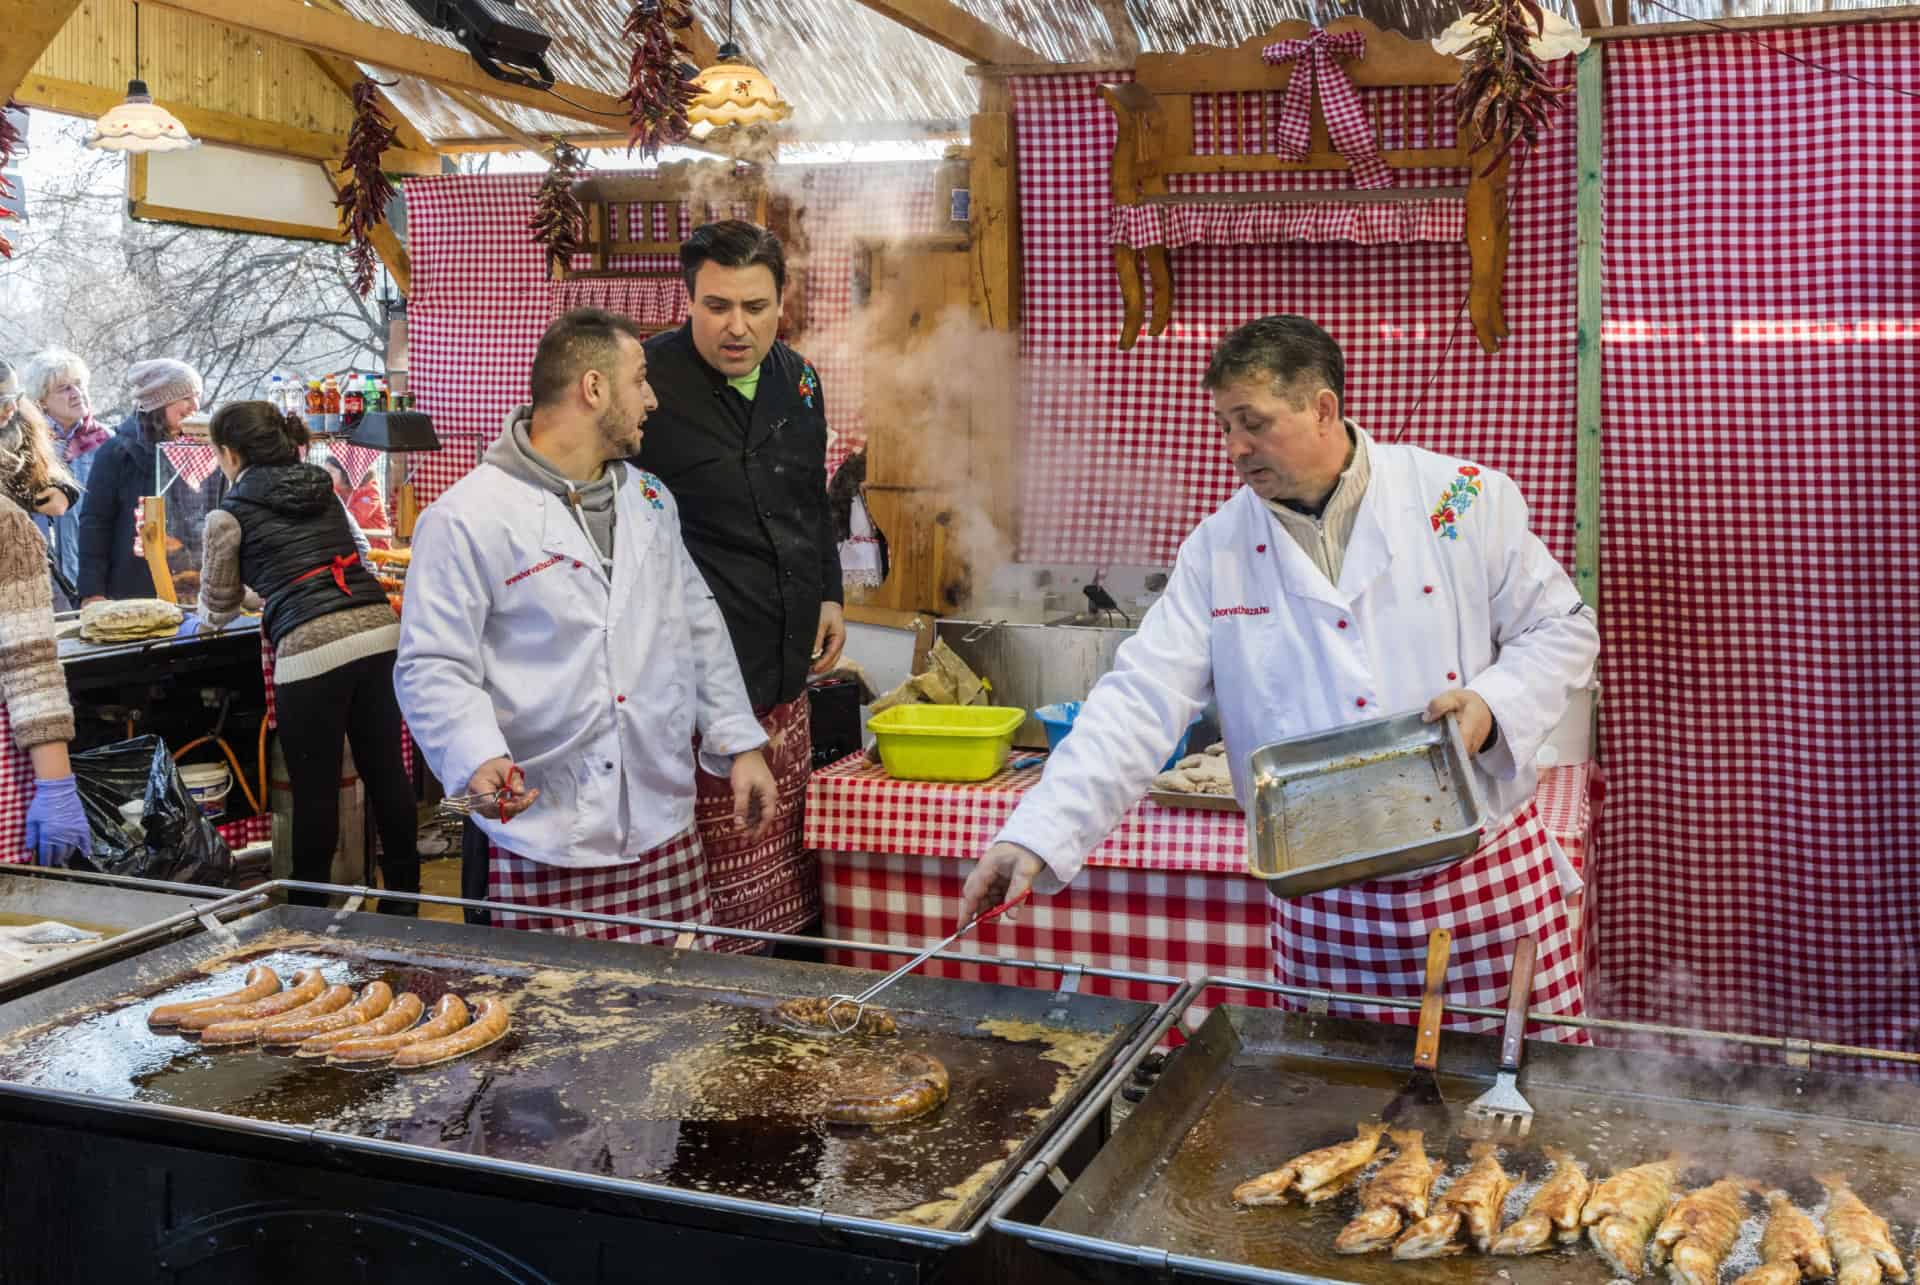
[
  {"x": 1424, "y": 604},
  {"x": 515, "y": 644}
]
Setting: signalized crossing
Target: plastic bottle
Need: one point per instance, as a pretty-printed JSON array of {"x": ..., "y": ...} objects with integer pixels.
[
  {"x": 316, "y": 398},
  {"x": 384, "y": 397},
  {"x": 277, "y": 393},
  {"x": 330, "y": 387},
  {"x": 353, "y": 402}
]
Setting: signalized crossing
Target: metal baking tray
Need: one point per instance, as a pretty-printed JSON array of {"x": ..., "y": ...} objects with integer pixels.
[
  {"x": 1195, "y": 802},
  {"x": 1374, "y": 799}
]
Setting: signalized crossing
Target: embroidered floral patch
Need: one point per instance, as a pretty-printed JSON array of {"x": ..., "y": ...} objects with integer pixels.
[
  {"x": 809, "y": 385},
  {"x": 1460, "y": 495},
  {"x": 650, "y": 487}
]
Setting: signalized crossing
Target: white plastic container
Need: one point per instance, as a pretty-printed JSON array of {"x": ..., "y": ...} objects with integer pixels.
[{"x": 209, "y": 784}]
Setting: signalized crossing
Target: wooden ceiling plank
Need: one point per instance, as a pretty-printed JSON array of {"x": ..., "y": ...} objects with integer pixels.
[
  {"x": 30, "y": 26},
  {"x": 954, "y": 29}
]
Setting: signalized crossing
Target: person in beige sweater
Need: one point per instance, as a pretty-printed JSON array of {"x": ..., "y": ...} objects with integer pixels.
[{"x": 33, "y": 687}]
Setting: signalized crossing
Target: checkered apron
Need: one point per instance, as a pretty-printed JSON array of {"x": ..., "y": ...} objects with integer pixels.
[
  {"x": 1372, "y": 937},
  {"x": 16, "y": 794},
  {"x": 772, "y": 885},
  {"x": 668, "y": 882}
]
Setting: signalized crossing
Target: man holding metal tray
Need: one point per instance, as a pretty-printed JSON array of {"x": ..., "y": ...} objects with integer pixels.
[{"x": 1347, "y": 580}]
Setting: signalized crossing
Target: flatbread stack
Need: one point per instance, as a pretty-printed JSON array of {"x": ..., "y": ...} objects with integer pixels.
[
  {"x": 1202, "y": 773},
  {"x": 129, "y": 620}
]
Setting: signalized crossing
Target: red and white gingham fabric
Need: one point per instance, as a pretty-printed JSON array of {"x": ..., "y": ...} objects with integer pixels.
[
  {"x": 1180, "y": 226},
  {"x": 1119, "y": 460},
  {"x": 482, "y": 295},
  {"x": 255, "y": 829},
  {"x": 193, "y": 461},
  {"x": 1316, "y": 67},
  {"x": 669, "y": 882},
  {"x": 16, "y": 794},
  {"x": 356, "y": 460},
  {"x": 1761, "y": 517},
  {"x": 1168, "y": 892},
  {"x": 1372, "y": 937}
]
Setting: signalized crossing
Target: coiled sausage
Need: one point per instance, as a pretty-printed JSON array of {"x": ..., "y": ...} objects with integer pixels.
[{"x": 914, "y": 1086}]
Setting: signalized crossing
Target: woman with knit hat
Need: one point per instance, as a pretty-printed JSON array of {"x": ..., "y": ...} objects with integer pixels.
[
  {"x": 165, "y": 393},
  {"x": 57, "y": 382},
  {"x": 282, "y": 532},
  {"x": 33, "y": 687}
]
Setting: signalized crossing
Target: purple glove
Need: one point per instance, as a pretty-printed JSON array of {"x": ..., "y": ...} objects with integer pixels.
[
  {"x": 189, "y": 627},
  {"x": 56, "y": 823}
]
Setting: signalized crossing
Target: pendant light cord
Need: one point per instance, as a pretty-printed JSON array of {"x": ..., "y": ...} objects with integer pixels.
[{"x": 136, "y": 39}]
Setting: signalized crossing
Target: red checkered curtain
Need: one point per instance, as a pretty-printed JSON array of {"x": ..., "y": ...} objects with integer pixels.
[
  {"x": 1759, "y": 863},
  {"x": 482, "y": 295},
  {"x": 1120, "y": 458}
]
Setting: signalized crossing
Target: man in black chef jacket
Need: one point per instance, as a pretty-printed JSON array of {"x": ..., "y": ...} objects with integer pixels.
[{"x": 740, "y": 438}]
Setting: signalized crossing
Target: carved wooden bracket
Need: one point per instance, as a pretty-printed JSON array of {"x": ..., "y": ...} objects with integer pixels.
[{"x": 1156, "y": 141}]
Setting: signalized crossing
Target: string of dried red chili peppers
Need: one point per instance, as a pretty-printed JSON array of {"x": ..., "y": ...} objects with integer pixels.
[
  {"x": 1505, "y": 97},
  {"x": 364, "y": 197},
  {"x": 558, "y": 219},
  {"x": 9, "y": 144},
  {"x": 657, "y": 94}
]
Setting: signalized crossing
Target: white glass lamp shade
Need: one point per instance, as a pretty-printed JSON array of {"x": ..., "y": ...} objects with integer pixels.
[
  {"x": 139, "y": 125},
  {"x": 734, "y": 92}
]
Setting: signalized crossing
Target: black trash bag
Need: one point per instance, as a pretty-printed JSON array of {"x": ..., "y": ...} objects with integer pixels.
[{"x": 180, "y": 845}]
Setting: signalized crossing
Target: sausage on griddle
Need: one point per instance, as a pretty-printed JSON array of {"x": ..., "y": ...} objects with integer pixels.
[
  {"x": 489, "y": 1024},
  {"x": 297, "y": 1028},
  {"x": 308, "y": 983},
  {"x": 811, "y": 1010},
  {"x": 449, "y": 1015},
  {"x": 914, "y": 1086},
  {"x": 405, "y": 1012},
  {"x": 261, "y": 982},
  {"x": 247, "y": 1030}
]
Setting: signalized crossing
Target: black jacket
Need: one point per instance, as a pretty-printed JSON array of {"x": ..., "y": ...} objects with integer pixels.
[
  {"x": 122, "y": 475},
  {"x": 751, "y": 482},
  {"x": 294, "y": 546}
]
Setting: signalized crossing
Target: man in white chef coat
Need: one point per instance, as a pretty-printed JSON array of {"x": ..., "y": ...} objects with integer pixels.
[
  {"x": 559, "y": 650},
  {"x": 1347, "y": 580}
]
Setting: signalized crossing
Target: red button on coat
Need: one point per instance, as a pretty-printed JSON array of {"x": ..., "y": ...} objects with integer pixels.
[
  {"x": 577, "y": 566},
  {"x": 1259, "y": 548},
  {"x": 1362, "y": 702},
  {"x": 620, "y": 700},
  {"x": 1429, "y": 589},
  {"x": 1451, "y": 676},
  {"x": 1343, "y": 624}
]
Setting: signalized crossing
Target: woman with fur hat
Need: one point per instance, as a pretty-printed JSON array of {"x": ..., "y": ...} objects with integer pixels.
[
  {"x": 165, "y": 393},
  {"x": 33, "y": 687}
]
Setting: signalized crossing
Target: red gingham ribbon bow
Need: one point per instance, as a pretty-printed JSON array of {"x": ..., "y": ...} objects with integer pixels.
[{"x": 1346, "y": 120}]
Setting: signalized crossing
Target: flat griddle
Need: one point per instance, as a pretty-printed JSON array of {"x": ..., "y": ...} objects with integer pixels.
[
  {"x": 1255, "y": 1087},
  {"x": 627, "y": 1064}
]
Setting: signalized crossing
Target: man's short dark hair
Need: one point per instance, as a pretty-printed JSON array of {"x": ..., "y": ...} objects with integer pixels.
[
  {"x": 584, "y": 339},
  {"x": 1284, "y": 349},
  {"x": 733, "y": 243}
]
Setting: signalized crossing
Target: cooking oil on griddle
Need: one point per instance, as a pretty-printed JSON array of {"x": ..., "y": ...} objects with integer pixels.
[{"x": 619, "y": 1075}]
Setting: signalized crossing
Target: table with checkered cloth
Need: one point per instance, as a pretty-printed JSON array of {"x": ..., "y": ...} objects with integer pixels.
[{"x": 1167, "y": 892}]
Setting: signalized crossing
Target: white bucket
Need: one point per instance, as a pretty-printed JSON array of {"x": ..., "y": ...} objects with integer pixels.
[{"x": 209, "y": 784}]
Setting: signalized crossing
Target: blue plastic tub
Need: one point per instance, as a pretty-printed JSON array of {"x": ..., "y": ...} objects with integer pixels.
[{"x": 1058, "y": 721}]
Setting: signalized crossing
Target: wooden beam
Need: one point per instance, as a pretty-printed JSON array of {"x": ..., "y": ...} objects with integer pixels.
[
  {"x": 1586, "y": 519},
  {"x": 994, "y": 216},
  {"x": 386, "y": 243},
  {"x": 520, "y": 137},
  {"x": 700, "y": 45},
  {"x": 1590, "y": 14},
  {"x": 852, "y": 132},
  {"x": 30, "y": 26},
  {"x": 1126, "y": 41},
  {"x": 149, "y": 212},
  {"x": 1622, "y": 13},
  {"x": 345, "y": 73},
  {"x": 294, "y": 22},
  {"x": 953, "y": 28},
  {"x": 74, "y": 99}
]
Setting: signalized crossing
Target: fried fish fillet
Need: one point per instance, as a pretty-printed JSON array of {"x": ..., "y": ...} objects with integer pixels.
[
  {"x": 1553, "y": 1213},
  {"x": 1469, "y": 1211},
  {"x": 1862, "y": 1243},
  {"x": 1623, "y": 1211},
  {"x": 1791, "y": 1249},
  {"x": 1396, "y": 1194},
  {"x": 1305, "y": 1174},
  {"x": 1699, "y": 1230}
]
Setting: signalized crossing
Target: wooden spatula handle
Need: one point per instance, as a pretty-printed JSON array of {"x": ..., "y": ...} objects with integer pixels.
[
  {"x": 1519, "y": 995},
  {"x": 1426, "y": 1049}
]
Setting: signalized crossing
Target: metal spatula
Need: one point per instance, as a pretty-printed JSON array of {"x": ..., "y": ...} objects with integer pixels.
[
  {"x": 1421, "y": 1099},
  {"x": 1501, "y": 1110}
]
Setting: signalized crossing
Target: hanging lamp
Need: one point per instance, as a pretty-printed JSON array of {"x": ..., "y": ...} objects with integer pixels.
[
  {"x": 139, "y": 124},
  {"x": 733, "y": 92}
]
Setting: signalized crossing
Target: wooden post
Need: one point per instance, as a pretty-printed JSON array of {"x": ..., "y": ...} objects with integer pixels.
[
  {"x": 994, "y": 218},
  {"x": 1586, "y": 523},
  {"x": 153, "y": 542}
]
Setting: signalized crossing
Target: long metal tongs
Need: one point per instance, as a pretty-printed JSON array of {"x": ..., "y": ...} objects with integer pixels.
[
  {"x": 466, "y": 805},
  {"x": 845, "y": 1011}
]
